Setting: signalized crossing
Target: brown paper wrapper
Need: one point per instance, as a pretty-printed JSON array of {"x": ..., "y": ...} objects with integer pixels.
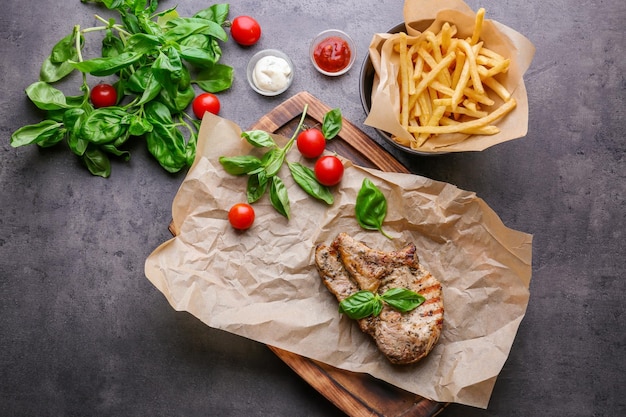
[
  {"x": 422, "y": 15},
  {"x": 262, "y": 284}
]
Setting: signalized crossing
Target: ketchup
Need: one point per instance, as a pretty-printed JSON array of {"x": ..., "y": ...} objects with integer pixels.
[{"x": 332, "y": 54}]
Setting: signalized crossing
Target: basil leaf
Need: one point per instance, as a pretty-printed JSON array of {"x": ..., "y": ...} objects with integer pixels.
[
  {"x": 46, "y": 97},
  {"x": 217, "y": 13},
  {"x": 332, "y": 123},
  {"x": 190, "y": 148},
  {"x": 152, "y": 90},
  {"x": 107, "y": 66},
  {"x": 97, "y": 162},
  {"x": 305, "y": 178},
  {"x": 168, "y": 71},
  {"x": 130, "y": 20},
  {"x": 138, "y": 81},
  {"x": 51, "y": 138},
  {"x": 216, "y": 78},
  {"x": 182, "y": 27},
  {"x": 139, "y": 125},
  {"x": 158, "y": 113},
  {"x": 35, "y": 133},
  {"x": 143, "y": 43},
  {"x": 279, "y": 197},
  {"x": 198, "y": 56},
  {"x": 371, "y": 207},
  {"x": 259, "y": 139},
  {"x": 65, "y": 50},
  {"x": 402, "y": 299},
  {"x": 273, "y": 161},
  {"x": 72, "y": 119},
  {"x": 239, "y": 165},
  {"x": 257, "y": 186},
  {"x": 361, "y": 304},
  {"x": 57, "y": 65},
  {"x": 167, "y": 145},
  {"x": 180, "y": 99},
  {"x": 52, "y": 72},
  {"x": 111, "y": 45},
  {"x": 167, "y": 15},
  {"x": 113, "y": 4},
  {"x": 103, "y": 125}
]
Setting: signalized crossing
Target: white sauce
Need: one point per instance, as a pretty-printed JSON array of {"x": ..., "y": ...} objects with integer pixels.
[{"x": 271, "y": 73}]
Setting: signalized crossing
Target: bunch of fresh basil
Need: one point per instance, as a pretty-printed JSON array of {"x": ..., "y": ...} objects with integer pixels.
[
  {"x": 263, "y": 171},
  {"x": 157, "y": 57}
]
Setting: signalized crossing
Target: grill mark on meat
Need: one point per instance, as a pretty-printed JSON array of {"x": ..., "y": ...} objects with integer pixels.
[{"x": 347, "y": 266}]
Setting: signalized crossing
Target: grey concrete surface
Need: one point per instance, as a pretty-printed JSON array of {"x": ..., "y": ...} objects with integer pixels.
[{"x": 83, "y": 332}]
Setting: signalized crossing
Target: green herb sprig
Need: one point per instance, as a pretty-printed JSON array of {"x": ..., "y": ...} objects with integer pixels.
[
  {"x": 371, "y": 207},
  {"x": 366, "y": 303},
  {"x": 157, "y": 57},
  {"x": 263, "y": 172}
]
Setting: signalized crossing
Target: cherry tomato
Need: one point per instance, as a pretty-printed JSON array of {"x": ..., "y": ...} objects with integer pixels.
[
  {"x": 103, "y": 95},
  {"x": 328, "y": 170},
  {"x": 205, "y": 102},
  {"x": 245, "y": 30},
  {"x": 311, "y": 143},
  {"x": 241, "y": 216}
]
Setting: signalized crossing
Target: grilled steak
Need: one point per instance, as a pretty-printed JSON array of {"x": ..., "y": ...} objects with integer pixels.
[{"x": 347, "y": 266}]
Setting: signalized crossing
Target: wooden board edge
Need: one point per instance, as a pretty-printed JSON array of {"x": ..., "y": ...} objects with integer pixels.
[
  {"x": 294, "y": 106},
  {"x": 316, "y": 375},
  {"x": 317, "y": 378}
]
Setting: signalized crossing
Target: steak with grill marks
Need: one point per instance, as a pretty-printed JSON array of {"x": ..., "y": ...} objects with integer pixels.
[{"x": 347, "y": 266}]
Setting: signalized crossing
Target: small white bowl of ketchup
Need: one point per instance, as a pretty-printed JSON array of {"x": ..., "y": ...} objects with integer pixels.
[{"x": 332, "y": 52}]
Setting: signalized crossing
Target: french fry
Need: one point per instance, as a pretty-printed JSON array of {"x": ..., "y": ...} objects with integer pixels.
[
  {"x": 429, "y": 78},
  {"x": 464, "y": 127},
  {"x": 448, "y": 84},
  {"x": 473, "y": 68},
  {"x": 462, "y": 84},
  {"x": 432, "y": 121},
  {"x": 484, "y": 130},
  {"x": 404, "y": 93},
  {"x": 478, "y": 26},
  {"x": 498, "y": 88}
]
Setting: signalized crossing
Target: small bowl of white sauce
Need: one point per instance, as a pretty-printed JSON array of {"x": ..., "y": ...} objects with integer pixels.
[{"x": 270, "y": 72}]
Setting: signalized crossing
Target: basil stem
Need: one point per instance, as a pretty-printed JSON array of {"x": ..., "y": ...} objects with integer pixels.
[
  {"x": 371, "y": 207},
  {"x": 365, "y": 303}
]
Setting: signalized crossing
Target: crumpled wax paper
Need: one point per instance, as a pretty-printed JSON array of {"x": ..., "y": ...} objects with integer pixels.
[
  {"x": 262, "y": 284},
  {"x": 423, "y": 15}
]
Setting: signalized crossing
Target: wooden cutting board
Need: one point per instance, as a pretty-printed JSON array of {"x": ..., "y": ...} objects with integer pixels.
[{"x": 357, "y": 395}]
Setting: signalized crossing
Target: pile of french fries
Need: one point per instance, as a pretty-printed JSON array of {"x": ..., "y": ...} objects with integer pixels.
[{"x": 445, "y": 84}]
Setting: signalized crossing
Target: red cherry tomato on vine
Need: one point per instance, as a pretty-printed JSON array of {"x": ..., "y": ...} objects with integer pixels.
[
  {"x": 328, "y": 170},
  {"x": 205, "y": 102},
  {"x": 245, "y": 30},
  {"x": 241, "y": 216},
  {"x": 103, "y": 95},
  {"x": 311, "y": 143}
]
